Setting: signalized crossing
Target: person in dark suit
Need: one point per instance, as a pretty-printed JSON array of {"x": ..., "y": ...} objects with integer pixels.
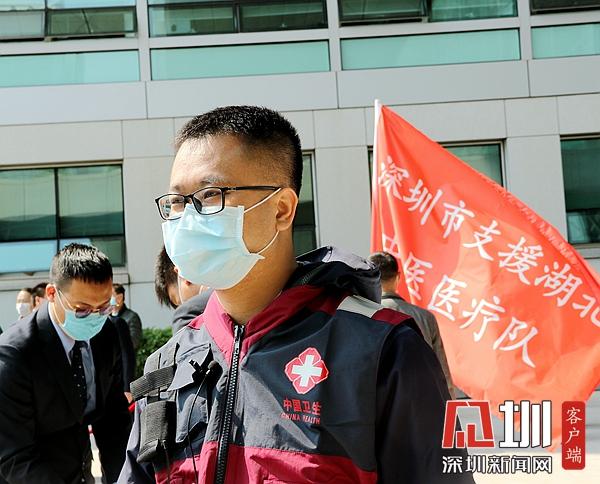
[
  {"x": 127, "y": 353},
  {"x": 60, "y": 371}
]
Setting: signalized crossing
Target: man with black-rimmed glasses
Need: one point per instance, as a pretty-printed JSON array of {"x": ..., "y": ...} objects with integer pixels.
[{"x": 294, "y": 372}]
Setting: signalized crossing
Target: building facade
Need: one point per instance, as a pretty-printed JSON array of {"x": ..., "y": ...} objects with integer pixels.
[{"x": 92, "y": 93}]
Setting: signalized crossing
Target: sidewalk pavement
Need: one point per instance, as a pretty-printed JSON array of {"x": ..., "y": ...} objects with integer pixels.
[{"x": 590, "y": 475}]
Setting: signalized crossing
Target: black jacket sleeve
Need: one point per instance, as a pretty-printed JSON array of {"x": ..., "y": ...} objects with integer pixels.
[
  {"x": 127, "y": 351},
  {"x": 112, "y": 428},
  {"x": 134, "y": 472},
  {"x": 20, "y": 460},
  {"x": 411, "y": 400},
  {"x": 135, "y": 329}
]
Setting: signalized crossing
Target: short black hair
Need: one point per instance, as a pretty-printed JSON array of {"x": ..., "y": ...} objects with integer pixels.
[
  {"x": 386, "y": 263},
  {"x": 80, "y": 262},
  {"x": 119, "y": 288},
  {"x": 258, "y": 128},
  {"x": 164, "y": 276},
  {"x": 27, "y": 289},
  {"x": 39, "y": 290}
]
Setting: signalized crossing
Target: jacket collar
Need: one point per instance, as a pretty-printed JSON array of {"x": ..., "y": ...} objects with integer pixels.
[{"x": 289, "y": 303}]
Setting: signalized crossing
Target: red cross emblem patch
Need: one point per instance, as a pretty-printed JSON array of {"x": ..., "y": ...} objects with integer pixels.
[{"x": 306, "y": 371}]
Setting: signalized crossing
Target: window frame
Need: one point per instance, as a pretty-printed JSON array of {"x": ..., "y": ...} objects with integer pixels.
[
  {"x": 313, "y": 171},
  {"x": 501, "y": 143},
  {"x": 184, "y": 5},
  {"x": 396, "y": 19},
  {"x": 450, "y": 144},
  {"x": 237, "y": 18},
  {"x": 568, "y": 8},
  {"x": 50, "y": 36},
  {"x": 480, "y": 30},
  {"x": 46, "y": 13},
  {"x": 425, "y": 17},
  {"x": 55, "y": 168},
  {"x": 589, "y": 249}
]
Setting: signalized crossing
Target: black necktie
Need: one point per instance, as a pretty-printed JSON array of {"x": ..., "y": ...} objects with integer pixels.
[{"x": 79, "y": 372}]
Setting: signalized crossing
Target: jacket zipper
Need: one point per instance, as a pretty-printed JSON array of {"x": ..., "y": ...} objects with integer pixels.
[{"x": 231, "y": 392}]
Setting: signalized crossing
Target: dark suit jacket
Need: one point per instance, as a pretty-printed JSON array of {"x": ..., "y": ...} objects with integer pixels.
[
  {"x": 189, "y": 310},
  {"x": 127, "y": 351},
  {"x": 43, "y": 433}
]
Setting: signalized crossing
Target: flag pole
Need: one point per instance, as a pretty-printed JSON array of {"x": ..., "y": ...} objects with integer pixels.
[{"x": 377, "y": 106}]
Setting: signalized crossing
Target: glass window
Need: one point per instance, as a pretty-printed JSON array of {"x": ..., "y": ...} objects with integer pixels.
[
  {"x": 240, "y": 60},
  {"x": 76, "y": 68},
  {"x": 28, "y": 207},
  {"x": 363, "y": 11},
  {"x": 288, "y": 15},
  {"x": 541, "y": 6},
  {"x": 565, "y": 40},
  {"x": 434, "y": 49},
  {"x": 191, "y": 20},
  {"x": 304, "y": 224},
  {"x": 21, "y": 19},
  {"x": 21, "y": 24},
  {"x": 581, "y": 165},
  {"x": 60, "y": 4},
  {"x": 90, "y": 201},
  {"x": 189, "y": 17},
  {"x": 9, "y": 5},
  {"x": 442, "y": 10},
  {"x": 44, "y": 209},
  {"x": 28, "y": 256},
  {"x": 485, "y": 158},
  {"x": 86, "y": 22}
]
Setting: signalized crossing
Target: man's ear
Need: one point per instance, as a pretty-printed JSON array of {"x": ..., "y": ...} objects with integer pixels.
[
  {"x": 286, "y": 209},
  {"x": 50, "y": 294}
]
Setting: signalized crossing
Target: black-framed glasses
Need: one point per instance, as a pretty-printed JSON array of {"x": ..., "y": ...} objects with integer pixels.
[
  {"x": 206, "y": 201},
  {"x": 84, "y": 312}
]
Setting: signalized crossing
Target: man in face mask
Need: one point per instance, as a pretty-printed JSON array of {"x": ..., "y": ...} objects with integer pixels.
[
  {"x": 293, "y": 373},
  {"x": 24, "y": 302},
  {"x": 60, "y": 371}
]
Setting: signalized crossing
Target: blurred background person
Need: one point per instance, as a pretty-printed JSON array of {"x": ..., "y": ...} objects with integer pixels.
[
  {"x": 388, "y": 267},
  {"x": 165, "y": 281},
  {"x": 39, "y": 294},
  {"x": 130, "y": 317},
  {"x": 174, "y": 291},
  {"x": 24, "y": 304},
  {"x": 126, "y": 345}
]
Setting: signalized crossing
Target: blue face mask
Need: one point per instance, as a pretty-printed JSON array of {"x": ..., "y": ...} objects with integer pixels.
[
  {"x": 210, "y": 249},
  {"x": 82, "y": 329}
]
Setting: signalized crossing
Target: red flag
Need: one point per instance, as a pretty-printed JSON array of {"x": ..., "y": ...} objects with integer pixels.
[{"x": 517, "y": 306}]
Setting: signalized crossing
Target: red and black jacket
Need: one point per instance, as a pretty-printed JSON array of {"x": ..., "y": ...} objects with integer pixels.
[{"x": 322, "y": 386}]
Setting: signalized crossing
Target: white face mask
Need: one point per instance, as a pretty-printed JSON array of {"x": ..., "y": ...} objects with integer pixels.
[
  {"x": 24, "y": 309},
  {"x": 209, "y": 250}
]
